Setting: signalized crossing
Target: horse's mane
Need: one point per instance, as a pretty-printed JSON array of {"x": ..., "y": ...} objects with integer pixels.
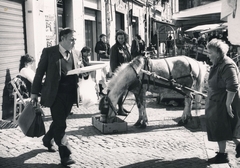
[
  {"x": 122, "y": 70},
  {"x": 117, "y": 72}
]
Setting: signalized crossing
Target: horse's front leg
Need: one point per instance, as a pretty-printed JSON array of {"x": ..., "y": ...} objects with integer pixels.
[
  {"x": 141, "y": 104},
  {"x": 187, "y": 110}
]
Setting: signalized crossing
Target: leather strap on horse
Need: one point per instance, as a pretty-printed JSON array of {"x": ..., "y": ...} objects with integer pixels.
[
  {"x": 177, "y": 87},
  {"x": 171, "y": 82},
  {"x": 171, "y": 79}
]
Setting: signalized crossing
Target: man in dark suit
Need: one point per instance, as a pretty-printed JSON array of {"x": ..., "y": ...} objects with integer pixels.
[
  {"x": 59, "y": 91},
  {"x": 102, "y": 48}
]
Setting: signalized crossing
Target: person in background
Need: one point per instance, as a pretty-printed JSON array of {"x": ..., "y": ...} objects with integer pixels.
[
  {"x": 86, "y": 53},
  {"x": 120, "y": 54},
  {"x": 59, "y": 90},
  {"x": 201, "y": 41},
  {"x": 222, "y": 107},
  {"x": 26, "y": 74},
  {"x": 169, "y": 45},
  {"x": 102, "y": 48},
  {"x": 138, "y": 46}
]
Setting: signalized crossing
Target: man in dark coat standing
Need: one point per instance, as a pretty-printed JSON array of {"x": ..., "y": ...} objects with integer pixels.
[
  {"x": 102, "y": 48},
  {"x": 58, "y": 91}
]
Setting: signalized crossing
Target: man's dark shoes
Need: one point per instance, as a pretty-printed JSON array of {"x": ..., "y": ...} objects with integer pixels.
[
  {"x": 219, "y": 158},
  {"x": 238, "y": 151},
  {"x": 49, "y": 146},
  {"x": 67, "y": 161}
]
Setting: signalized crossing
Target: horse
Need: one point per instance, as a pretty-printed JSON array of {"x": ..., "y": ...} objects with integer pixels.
[{"x": 183, "y": 70}]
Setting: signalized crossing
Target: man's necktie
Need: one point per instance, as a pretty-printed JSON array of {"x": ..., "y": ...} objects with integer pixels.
[{"x": 67, "y": 54}]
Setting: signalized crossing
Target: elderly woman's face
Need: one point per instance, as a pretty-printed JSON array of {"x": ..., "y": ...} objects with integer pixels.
[
  {"x": 213, "y": 55},
  {"x": 121, "y": 39}
]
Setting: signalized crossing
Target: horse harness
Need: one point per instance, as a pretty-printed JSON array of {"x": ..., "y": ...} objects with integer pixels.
[
  {"x": 171, "y": 80},
  {"x": 148, "y": 81}
]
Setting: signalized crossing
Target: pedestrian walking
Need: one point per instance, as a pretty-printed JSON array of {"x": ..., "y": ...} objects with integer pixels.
[
  {"x": 59, "y": 90},
  {"x": 222, "y": 105}
]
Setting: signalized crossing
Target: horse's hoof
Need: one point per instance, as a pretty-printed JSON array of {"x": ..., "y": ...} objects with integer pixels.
[
  {"x": 182, "y": 123},
  {"x": 137, "y": 124},
  {"x": 143, "y": 126}
]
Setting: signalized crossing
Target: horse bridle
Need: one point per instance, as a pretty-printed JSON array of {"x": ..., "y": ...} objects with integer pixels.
[
  {"x": 110, "y": 103},
  {"x": 138, "y": 77},
  {"x": 146, "y": 67}
]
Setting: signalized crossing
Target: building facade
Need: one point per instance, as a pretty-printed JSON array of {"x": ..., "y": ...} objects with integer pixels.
[{"x": 27, "y": 26}]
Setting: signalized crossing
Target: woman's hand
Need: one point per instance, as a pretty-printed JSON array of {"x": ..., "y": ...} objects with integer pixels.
[
  {"x": 229, "y": 111},
  {"x": 230, "y": 97}
]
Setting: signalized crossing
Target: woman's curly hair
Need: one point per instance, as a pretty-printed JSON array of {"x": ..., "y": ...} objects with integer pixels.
[
  {"x": 121, "y": 32},
  {"x": 219, "y": 45}
]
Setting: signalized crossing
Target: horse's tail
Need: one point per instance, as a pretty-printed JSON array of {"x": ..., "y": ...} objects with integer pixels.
[{"x": 200, "y": 83}]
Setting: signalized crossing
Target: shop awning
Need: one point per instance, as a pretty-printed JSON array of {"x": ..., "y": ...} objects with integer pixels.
[
  {"x": 220, "y": 27},
  {"x": 207, "y": 27},
  {"x": 204, "y": 14}
]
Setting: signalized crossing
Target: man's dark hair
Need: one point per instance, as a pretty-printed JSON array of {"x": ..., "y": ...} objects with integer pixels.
[{"x": 64, "y": 32}]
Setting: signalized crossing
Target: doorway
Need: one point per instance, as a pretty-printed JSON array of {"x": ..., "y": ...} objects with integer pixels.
[{"x": 119, "y": 21}]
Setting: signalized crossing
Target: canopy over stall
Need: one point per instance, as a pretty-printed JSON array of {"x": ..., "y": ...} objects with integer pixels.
[
  {"x": 220, "y": 27},
  {"x": 203, "y": 27},
  {"x": 204, "y": 14}
]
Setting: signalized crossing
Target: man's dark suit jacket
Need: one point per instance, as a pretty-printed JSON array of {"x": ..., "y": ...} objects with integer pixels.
[{"x": 50, "y": 65}]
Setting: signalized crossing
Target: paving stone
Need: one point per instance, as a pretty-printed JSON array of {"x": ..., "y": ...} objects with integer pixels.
[{"x": 162, "y": 144}]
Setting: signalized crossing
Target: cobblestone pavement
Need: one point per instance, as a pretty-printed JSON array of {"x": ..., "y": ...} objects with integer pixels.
[{"x": 162, "y": 144}]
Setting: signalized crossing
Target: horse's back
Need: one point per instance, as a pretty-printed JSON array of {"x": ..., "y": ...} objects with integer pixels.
[{"x": 181, "y": 68}]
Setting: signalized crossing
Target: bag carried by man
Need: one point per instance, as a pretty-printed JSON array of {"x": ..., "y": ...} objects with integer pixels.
[{"x": 30, "y": 121}]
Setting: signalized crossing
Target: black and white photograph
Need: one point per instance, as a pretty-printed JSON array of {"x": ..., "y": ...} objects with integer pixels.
[{"x": 120, "y": 83}]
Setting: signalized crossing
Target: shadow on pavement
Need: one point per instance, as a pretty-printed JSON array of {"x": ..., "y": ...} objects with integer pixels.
[
  {"x": 195, "y": 125},
  {"x": 158, "y": 163},
  {"x": 92, "y": 131},
  {"x": 18, "y": 161},
  {"x": 73, "y": 116}
]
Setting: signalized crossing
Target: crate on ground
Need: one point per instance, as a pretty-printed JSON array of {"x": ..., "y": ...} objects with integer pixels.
[{"x": 118, "y": 126}]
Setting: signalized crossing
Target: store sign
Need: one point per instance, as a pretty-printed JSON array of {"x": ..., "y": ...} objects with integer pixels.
[{"x": 121, "y": 7}]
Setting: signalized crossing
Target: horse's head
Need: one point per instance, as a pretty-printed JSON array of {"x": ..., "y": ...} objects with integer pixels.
[{"x": 106, "y": 108}]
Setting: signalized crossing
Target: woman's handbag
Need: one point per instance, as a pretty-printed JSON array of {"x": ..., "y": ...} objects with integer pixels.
[{"x": 30, "y": 121}]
